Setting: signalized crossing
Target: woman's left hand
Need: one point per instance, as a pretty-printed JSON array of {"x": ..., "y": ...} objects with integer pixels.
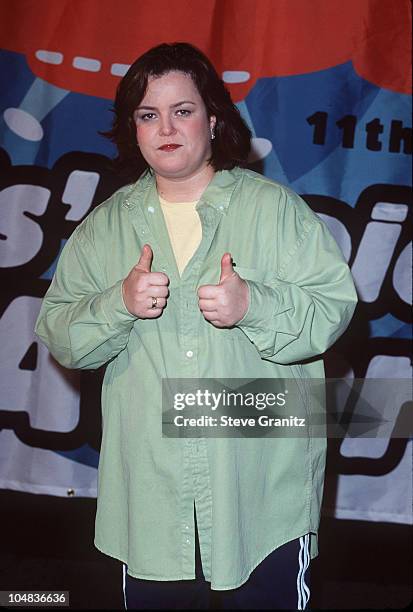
[{"x": 225, "y": 304}]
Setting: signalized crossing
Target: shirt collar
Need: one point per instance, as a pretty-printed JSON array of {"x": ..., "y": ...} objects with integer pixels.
[
  {"x": 219, "y": 191},
  {"x": 217, "y": 194}
]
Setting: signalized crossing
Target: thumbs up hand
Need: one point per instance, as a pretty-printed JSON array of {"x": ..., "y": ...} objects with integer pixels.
[
  {"x": 145, "y": 292},
  {"x": 224, "y": 304}
]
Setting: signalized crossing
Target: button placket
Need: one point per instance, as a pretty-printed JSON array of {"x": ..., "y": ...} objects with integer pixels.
[
  {"x": 203, "y": 499},
  {"x": 195, "y": 458},
  {"x": 187, "y": 503}
]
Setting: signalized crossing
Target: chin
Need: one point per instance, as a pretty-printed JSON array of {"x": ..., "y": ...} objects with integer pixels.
[{"x": 171, "y": 171}]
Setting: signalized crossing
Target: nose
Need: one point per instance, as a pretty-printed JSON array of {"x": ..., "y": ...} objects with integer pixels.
[{"x": 166, "y": 126}]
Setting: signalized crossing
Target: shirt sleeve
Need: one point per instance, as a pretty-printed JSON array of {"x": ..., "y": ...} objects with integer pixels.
[
  {"x": 306, "y": 307},
  {"x": 83, "y": 323}
]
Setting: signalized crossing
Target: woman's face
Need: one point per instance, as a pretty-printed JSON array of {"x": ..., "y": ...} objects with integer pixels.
[{"x": 173, "y": 130}]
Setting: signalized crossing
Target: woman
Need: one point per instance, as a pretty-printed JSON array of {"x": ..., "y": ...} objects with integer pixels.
[{"x": 198, "y": 270}]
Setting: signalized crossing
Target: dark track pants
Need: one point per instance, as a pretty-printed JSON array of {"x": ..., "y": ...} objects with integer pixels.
[{"x": 279, "y": 582}]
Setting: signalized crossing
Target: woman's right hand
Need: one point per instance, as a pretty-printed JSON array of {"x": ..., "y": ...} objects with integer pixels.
[{"x": 142, "y": 287}]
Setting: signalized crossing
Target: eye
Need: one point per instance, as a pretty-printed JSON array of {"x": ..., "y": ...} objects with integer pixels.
[
  {"x": 146, "y": 117},
  {"x": 183, "y": 112}
]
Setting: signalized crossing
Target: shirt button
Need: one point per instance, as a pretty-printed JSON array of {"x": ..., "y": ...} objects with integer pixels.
[
  {"x": 151, "y": 209},
  {"x": 189, "y": 354},
  {"x": 186, "y": 526},
  {"x": 188, "y": 541}
]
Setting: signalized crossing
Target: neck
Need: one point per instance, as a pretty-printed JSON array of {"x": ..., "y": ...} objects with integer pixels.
[{"x": 185, "y": 189}]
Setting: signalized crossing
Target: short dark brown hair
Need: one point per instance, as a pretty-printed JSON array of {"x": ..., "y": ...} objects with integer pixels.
[{"x": 232, "y": 142}]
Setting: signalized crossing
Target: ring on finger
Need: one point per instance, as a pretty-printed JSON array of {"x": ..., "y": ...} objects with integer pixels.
[{"x": 154, "y": 302}]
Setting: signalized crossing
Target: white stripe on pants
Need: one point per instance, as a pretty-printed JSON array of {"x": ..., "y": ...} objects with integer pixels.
[
  {"x": 124, "y": 586},
  {"x": 303, "y": 592}
]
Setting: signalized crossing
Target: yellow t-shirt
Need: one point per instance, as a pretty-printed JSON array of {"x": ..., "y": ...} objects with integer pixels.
[{"x": 184, "y": 227}]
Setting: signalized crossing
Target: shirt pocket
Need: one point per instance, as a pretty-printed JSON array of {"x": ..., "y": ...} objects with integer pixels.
[{"x": 254, "y": 274}]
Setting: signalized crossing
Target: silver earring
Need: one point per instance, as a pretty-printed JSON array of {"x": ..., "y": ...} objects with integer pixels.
[{"x": 212, "y": 134}]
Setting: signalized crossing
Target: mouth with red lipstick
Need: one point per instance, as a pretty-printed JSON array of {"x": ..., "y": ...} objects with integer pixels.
[{"x": 169, "y": 147}]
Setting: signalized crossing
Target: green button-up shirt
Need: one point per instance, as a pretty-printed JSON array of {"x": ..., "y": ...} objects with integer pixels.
[{"x": 251, "y": 494}]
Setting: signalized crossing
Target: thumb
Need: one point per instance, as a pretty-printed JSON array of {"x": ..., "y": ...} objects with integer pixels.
[
  {"x": 145, "y": 259},
  {"x": 226, "y": 267}
]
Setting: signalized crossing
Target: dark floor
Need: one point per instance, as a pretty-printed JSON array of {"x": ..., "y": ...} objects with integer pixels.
[{"x": 46, "y": 543}]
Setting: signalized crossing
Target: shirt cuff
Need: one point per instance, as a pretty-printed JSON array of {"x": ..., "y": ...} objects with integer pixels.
[
  {"x": 262, "y": 307},
  {"x": 112, "y": 304}
]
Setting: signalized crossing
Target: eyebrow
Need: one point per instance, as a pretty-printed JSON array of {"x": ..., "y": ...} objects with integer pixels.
[{"x": 144, "y": 107}]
